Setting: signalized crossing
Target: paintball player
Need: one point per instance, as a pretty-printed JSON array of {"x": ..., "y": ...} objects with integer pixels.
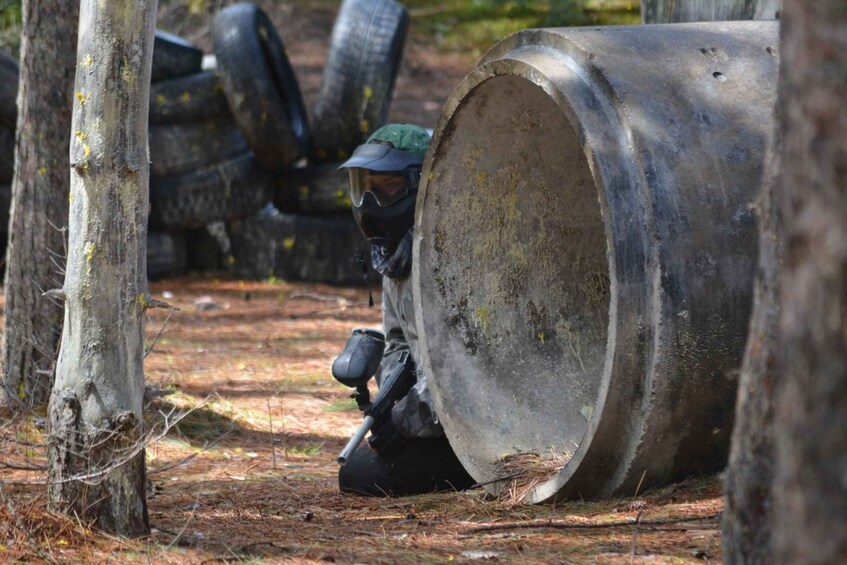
[{"x": 406, "y": 452}]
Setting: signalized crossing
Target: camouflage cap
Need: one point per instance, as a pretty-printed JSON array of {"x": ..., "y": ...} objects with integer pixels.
[
  {"x": 391, "y": 148},
  {"x": 406, "y": 137}
]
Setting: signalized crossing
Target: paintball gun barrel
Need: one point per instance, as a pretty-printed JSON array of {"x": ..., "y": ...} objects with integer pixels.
[
  {"x": 355, "y": 440},
  {"x": 394, "y": 386}
]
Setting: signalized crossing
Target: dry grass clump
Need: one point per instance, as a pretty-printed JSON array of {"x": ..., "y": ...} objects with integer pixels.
[
  {"x": 29, "y": 531},
  {"x": 528, "y": 469}
]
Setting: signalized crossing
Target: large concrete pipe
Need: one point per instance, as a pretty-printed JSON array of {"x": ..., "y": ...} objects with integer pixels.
[{"x": 584, "y": 253}]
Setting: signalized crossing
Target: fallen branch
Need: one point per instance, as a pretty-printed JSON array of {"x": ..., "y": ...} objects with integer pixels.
[
  {"x": 497, "y": 480},
  {"x": 341, "y": 303},
  {"x": 540, "y": 524},
  {"x": 321, "y": 312},
  {"x": 161, "y": 329},
  {"x": 17, "y": 467},
  {"x": 194, "y": 508},
  {"x": 245, "y": 549},
  {"x": 317, "y": 296}
]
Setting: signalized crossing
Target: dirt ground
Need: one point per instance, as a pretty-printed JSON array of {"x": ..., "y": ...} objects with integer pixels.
[{"x": 249, "y": 475}]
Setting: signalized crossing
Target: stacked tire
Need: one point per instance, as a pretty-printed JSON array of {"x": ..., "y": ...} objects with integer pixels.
[
  {"x": 235, "y": 166},
  {"x": 202, "y": 169},
  {"x": 309, "y": 233},
  {"x": 358, "y": 80}
]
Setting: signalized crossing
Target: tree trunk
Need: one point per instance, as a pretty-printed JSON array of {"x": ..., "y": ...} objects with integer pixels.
[
  {"x": 786, "y": 488},
  {"x": 672, "y": 11},
  {"x": 747, "y": 523},
  {"x": 39, "y": 210},
  {"x": 96, "y": 450},
  {"x": 810, "y": 429}
]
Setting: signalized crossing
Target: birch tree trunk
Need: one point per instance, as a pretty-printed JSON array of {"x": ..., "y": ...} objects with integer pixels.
[
  {"x": 39, "y": 210},
  {"x": 673, "y": 11},
  {"x": 96, "y": 449},
  {"x": 810, "y": 416}
]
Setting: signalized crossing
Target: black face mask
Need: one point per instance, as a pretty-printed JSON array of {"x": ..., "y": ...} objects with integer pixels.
[{"x": 385, "y": 227}]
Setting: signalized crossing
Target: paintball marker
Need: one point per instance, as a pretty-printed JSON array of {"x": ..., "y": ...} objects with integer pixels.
[{"x": 355, "y": 367}]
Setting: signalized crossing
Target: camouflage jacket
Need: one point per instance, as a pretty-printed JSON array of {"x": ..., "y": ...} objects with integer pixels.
[{"x": 414, "y": 415}]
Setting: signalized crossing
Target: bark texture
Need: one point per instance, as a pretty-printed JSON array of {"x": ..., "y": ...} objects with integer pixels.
[
  {"x": 810, "y": 418},
  {"x": 39, "y": 210},
  {"x": 747, "y": 523},
  {"x": 672, "y": 11},
  {"x": 96, "y": 450}
]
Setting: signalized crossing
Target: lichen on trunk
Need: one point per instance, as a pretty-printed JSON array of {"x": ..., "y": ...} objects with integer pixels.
[
  {"x": 96, "y": 454},
  {"x": 108, "y": 482}
]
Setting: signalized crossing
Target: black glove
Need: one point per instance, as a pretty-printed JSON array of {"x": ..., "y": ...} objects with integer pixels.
[{"x": 385, "y": 438}]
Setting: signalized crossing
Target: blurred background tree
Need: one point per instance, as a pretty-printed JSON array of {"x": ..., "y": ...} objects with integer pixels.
[
  {"x": 10, "y": 25},
  {"x": 454, "y": 25},
  {"x": 473, "y": 26}
]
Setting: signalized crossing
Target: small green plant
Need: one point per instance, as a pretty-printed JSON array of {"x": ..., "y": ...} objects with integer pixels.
[
  {"x": 307, "y": 450},
  {"x": 345, "y": 405}
]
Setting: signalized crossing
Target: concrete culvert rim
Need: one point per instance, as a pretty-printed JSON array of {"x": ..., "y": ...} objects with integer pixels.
[
  {"x": 523, "y": 289},
  {"x": 584, "y": 254}
]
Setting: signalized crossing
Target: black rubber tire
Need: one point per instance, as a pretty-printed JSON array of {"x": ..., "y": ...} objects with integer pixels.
[
  {"x": 173, "y": 57},
  {"x": 315, "y": 189},
  {"x": 328, "y": 249},
  {"x": 8, "y": 90},
  {"x": 166, "y": 255},
  {"x": 7, "y": 153},
  {"x": 358, "y": 80},
  {"x": 230, "y": 190},
  {"x": 204, "y": 251},
  {"x": 193, "y": 97},
  {"x": 5, "y": 209},
  {"x": 260, "y": 86},
  {"x": 189, "y": 146}
]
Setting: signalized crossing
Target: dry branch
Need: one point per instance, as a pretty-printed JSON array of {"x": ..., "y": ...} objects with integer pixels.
[{"x": 557, "y": 525}]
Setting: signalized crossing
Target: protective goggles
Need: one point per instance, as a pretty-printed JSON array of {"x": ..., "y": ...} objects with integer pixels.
[{"x": 387, "y": 187}]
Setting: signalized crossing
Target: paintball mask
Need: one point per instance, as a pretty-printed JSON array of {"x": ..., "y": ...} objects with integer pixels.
[
  {"x": 387, "y": 188},
  {"x": 384, "y": 176}
]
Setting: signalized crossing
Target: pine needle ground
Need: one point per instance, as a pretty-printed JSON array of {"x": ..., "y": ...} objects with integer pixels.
[{"x": 249, "y": 473}]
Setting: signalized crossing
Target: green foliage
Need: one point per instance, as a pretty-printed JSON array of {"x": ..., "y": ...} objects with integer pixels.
[
  {"x": 10, "y": 13},
  {"x": 10, "y": 25},
  {"x": 475, "y": 25}
]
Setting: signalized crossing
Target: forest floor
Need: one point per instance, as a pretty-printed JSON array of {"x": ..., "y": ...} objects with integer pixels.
[{"x": 249, "y": 474}]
